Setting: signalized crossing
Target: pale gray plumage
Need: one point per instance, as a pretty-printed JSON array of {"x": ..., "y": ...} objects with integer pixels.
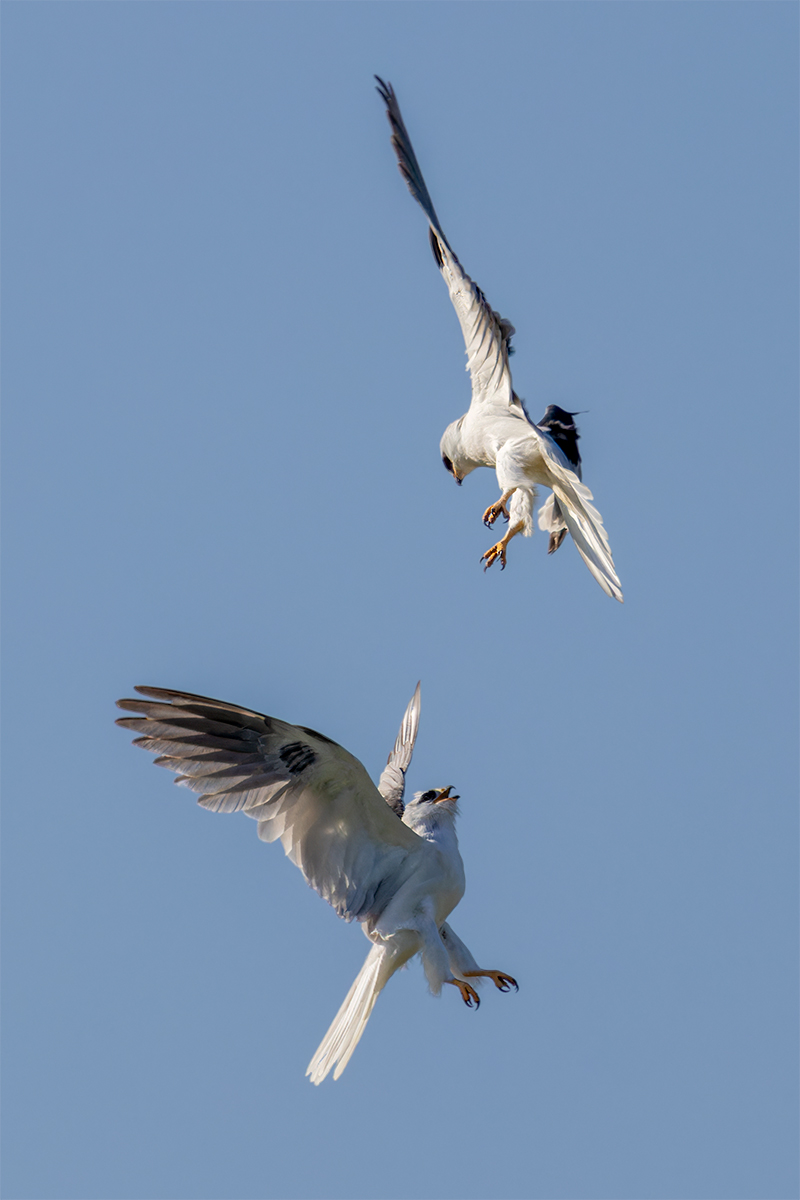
[
  {"x": 487, "y": 334},
  {"x": 400, "y": 878},
  {"x": 392, "y": 782},
  {"x": 333, "y": 823},
  {"x": 496, "y": 431}
]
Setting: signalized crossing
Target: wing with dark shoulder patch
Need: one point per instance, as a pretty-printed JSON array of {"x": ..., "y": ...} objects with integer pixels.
[
  {"x": 392, "y": 783},
  {"x": 301, "y": 787}
]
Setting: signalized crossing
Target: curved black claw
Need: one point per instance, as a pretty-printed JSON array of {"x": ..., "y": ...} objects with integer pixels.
[
  {"x": 493, "y": 512},
  {"x": 505, "y": 982},
  {"x": 469, "y": 995},
  {"x": 491, "y": 556}
]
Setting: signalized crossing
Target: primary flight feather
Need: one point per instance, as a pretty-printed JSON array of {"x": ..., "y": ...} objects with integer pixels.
[
  {"x": 496, "y": 431},
  {"x": 394, "y": 867}
]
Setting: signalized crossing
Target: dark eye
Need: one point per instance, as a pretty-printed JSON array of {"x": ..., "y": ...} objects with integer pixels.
[
  {"x": 448, "y": 466},
  {"x": 426, "y": 797}
]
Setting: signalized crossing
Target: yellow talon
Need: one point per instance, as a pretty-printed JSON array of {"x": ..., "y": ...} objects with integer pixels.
[
  {"x": 499, "y": 550},
  {"x": 468, "y": 993},
  {"x": 493, "y": 512},
  {"x": 492, "y": 554},
  {"x": 499, "y": 979}
]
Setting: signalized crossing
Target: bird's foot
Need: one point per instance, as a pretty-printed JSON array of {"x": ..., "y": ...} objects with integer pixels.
[
  {"x": 499, "y": 550},
  {"x": 493, "y": 553},
  {"x": 494, "y": 511},
  {"x": 468, "y": 993},
  {"x": 499, "y": 979},
  {"x": 555, "y": 540}
]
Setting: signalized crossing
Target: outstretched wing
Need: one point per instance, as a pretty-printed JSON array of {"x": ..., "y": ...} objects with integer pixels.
[
  {"x": 299, "y": 785},
  {"x": 392, "y": 783},
  {"x": 487, "y": 335}
]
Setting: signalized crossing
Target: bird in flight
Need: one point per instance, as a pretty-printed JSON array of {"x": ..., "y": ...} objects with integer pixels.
[
  {"x": 394, "y": 867},
  {"x": 496, "y": 431}
]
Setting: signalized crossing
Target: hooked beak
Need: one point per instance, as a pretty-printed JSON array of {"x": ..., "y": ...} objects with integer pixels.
[{"x": 444, "y": 794}]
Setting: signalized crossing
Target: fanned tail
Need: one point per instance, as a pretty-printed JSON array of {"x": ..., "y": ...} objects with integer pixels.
[{"x": 348, "y": 1025}]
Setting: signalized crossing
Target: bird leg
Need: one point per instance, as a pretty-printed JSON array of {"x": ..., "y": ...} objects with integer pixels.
[
  {"x": 468, "y": 993},
  {"x": 499, "y": 550},
  {"x": 498, "y": 509},
  {"x": 499, "y": 979}
]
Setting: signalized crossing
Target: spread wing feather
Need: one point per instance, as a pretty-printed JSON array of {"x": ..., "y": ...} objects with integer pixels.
[
  {"x": 301, "y": 787},
  {"x": 487, "y": 335},
  {"x": 392, "y": 783}
]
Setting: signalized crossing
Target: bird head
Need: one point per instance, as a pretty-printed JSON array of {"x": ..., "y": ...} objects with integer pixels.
[
  {"x": 452, "y": 451},
  {"x": 432, "y": 808}
]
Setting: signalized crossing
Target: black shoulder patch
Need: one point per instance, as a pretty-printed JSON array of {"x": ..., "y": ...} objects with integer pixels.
[
  {"x": 297, "y": 756},
  {"x": 435, "y": 247},
  {"x": 562, "y": 429}
]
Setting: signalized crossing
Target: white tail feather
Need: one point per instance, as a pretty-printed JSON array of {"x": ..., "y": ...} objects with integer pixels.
[
  {"x": 580, "y": 516},
  {"x": 348, "y": 1025},
  {"x": 550, "y": 518},
  {"x": 586, "y": 526}
]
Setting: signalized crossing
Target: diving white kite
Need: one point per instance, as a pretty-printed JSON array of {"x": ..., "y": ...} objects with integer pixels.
[
  {"x": 395, "y": 868},
  {"x": 497, "y": 431}
]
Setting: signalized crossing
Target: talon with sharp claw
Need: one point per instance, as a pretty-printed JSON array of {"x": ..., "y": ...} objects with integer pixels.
[
  {"x": 499, "y": 549},
  {"x": 491, "y": 556},
  {"x": 493, "y": 512},
  {"x": 468, "y": 993},
  {"x": 498, "y": 509},
  {"x": 501, "y": 981}
]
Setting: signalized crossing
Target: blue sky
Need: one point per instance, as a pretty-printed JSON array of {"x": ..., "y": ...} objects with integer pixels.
[{"x": 228, "y": 360}]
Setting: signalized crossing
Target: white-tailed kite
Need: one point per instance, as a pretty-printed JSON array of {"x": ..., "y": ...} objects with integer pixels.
[
  {"x": 497, "y": 431},
  {"x": 395, "y": 868}
]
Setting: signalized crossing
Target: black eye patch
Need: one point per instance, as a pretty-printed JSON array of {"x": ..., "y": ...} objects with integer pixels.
[
  {"x": 448, "y": 466},
  {"x": 427, "y": 797}
]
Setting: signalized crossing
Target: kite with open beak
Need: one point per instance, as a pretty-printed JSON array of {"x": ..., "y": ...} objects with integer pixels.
[{"x": 444, "y": 794}]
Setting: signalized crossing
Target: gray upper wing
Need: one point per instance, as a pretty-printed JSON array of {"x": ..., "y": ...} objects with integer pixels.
[
  {"x": 392, "y": 782},
  {"x": 487, "y": 335},
  {"x": 299, "y": 785}
]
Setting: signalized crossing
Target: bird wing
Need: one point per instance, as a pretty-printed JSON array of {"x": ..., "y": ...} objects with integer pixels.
[
  {"x": 392, "y": 783},
  {"x": 561, "y": 427},
  {"x": 299, "y": 785},
  {"x": 487, "y": 335},
  {"x": 564, "y": 432},
  {"x": 578, "y": 514}
]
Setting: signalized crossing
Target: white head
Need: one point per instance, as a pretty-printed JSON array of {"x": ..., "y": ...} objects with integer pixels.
[
  {"x": 430, "y": 810},
  {"x": 454, "y": 457}
]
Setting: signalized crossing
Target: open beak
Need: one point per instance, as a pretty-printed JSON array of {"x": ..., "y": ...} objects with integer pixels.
[{"x": 444, "y": 794}]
